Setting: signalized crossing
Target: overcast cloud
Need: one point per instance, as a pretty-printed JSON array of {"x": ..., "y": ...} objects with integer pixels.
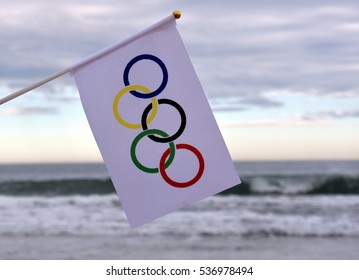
[
  {"x": 243, "y": 49},
  {"x": 281, "y": 76},
  {"x": 29, "y": 111}
]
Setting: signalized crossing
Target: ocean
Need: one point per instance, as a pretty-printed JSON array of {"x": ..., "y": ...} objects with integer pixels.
[{"x": 282, "y": 210}]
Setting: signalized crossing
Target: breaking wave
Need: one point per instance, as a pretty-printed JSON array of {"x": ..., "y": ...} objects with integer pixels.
[
  {"x": 223, "y": 216},
  {"x": 251, "y": 185}
]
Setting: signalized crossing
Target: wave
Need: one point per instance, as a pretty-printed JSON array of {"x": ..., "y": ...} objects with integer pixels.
[
  {"x": 296, "y": 185},
  {"x": 251, "y": 185},
  {"x": 222, "y": 216},
  {"x": 57, "y": 187}
]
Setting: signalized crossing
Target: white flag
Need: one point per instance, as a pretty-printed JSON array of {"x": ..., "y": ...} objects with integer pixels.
[{"x": 153, "y": 125}]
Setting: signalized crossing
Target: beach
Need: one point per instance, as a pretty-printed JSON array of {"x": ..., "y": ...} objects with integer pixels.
[
  {"x": 282, "y": 210},
  {"x": 112, "y": 247}
]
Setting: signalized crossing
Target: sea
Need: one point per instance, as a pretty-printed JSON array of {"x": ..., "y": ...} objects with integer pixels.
[{"x": 282, "y": 210}]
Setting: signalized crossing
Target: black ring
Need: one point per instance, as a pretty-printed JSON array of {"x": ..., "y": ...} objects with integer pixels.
[
  {"x": 163, "y": 68},
  {"x": 169, "y": 138}
]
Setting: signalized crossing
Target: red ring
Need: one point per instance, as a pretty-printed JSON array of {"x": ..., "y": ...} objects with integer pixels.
[{"x": 190, "y": 182}]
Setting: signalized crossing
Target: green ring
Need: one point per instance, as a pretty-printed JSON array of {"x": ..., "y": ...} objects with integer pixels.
[{"x": 134, "y": 145}]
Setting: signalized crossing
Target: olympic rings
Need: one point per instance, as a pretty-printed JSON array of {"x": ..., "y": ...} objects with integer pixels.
[
  {"x": 190, "y": 182},
  {"x": 164, "y": 72},
  {"x": 171, "y": 150},
  {"x": 147, "y": 117},
  {"x": 174, "y": 136},
  {"x": 117, "y": 100}
]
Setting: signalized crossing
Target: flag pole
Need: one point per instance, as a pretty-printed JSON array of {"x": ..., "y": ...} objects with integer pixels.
[
  {"x": 176, "y": 14},
  {"x": 33, "y": 86}
]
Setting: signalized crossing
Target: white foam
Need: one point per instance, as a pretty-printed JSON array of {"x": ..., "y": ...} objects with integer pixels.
[{"x": 219, "y": 215}]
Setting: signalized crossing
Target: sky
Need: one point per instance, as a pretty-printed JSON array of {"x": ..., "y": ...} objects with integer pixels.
[{"x": 281, "y": 76}]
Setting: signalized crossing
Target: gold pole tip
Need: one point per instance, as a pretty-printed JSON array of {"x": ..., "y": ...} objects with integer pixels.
[{"x": 177, "y": 14}]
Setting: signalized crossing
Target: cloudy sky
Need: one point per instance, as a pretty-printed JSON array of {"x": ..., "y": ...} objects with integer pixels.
[{"x": 282, "y": 77}]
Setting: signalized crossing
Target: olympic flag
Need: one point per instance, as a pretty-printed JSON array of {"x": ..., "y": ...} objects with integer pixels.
[{"x": 153, "y": 125}]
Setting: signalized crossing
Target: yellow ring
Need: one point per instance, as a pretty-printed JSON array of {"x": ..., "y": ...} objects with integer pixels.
[{"x": 117, "y": 100}]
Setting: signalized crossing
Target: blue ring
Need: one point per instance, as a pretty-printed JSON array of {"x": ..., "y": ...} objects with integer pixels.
[{"x": 164, "y": 71}]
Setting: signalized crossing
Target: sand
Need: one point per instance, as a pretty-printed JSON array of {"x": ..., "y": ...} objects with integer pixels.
[{"x": 112, "y": 247}]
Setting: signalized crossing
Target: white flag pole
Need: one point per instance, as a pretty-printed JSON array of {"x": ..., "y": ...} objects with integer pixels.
[
  {"x": 175, "y": 14},
  {"x": 33, "y": 86}
]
